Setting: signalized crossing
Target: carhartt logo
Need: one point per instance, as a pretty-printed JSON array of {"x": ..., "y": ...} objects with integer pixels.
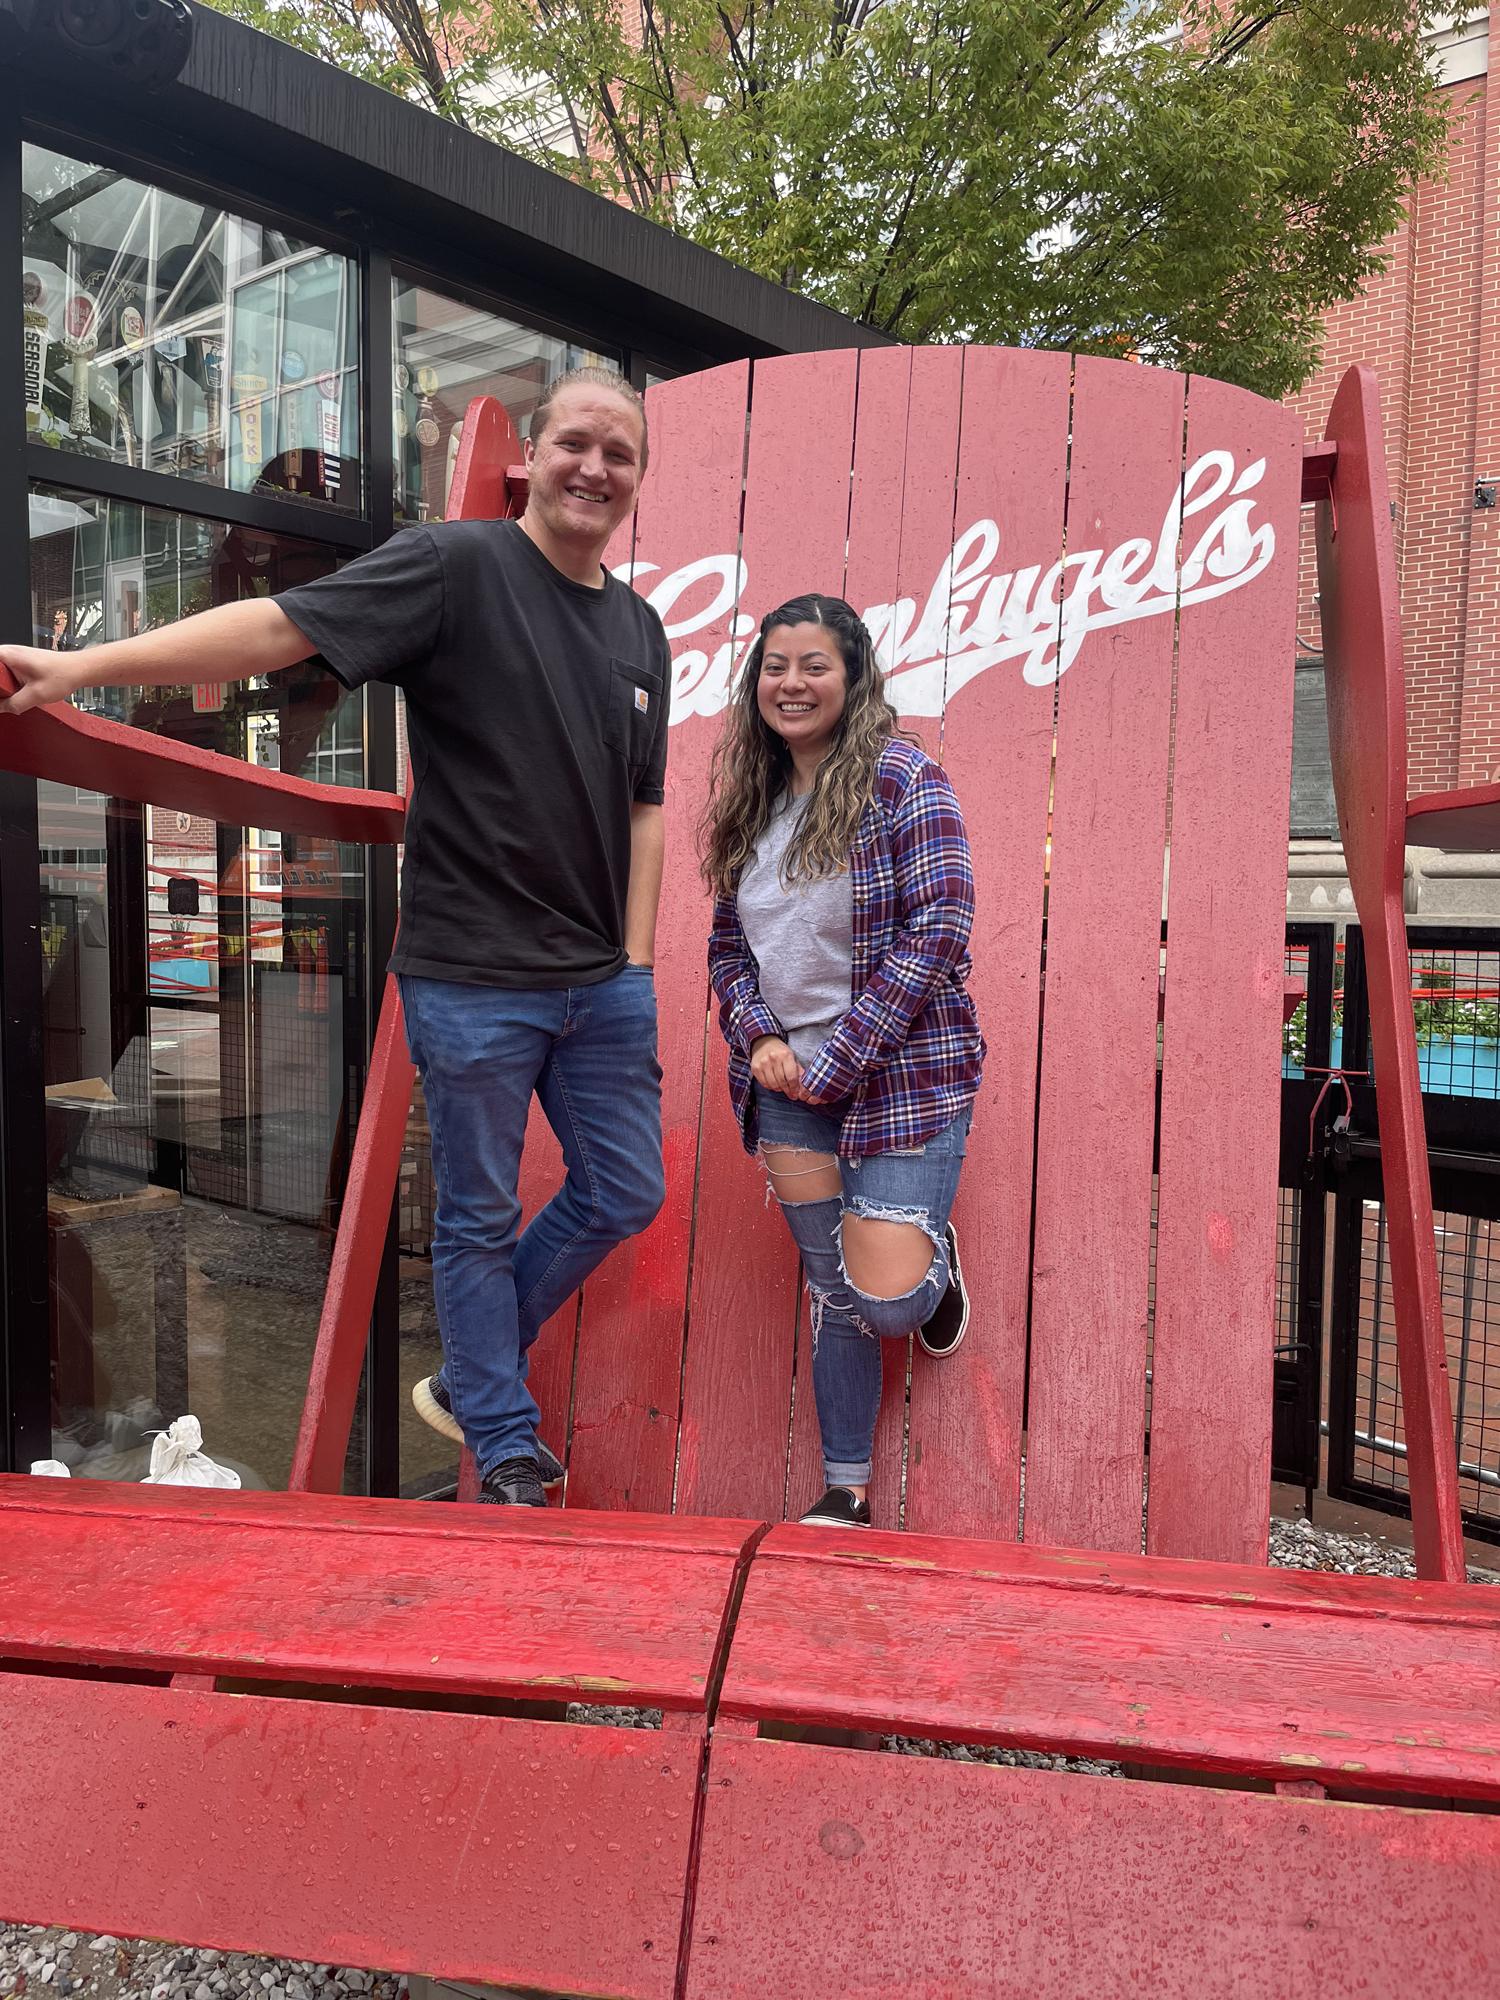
[
  {"x": 977, "y": 615},
  {"x": 642, "y": 700}
]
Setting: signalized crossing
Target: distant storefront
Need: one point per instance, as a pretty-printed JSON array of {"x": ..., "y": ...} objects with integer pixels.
[{"x": 255, "y": 303}]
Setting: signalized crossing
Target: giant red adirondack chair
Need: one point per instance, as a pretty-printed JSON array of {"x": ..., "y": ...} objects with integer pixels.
[{"x": 1083, "y": 576}]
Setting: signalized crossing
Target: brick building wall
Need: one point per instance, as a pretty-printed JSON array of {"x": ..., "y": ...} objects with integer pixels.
[{"x": 1430, "y": 327}]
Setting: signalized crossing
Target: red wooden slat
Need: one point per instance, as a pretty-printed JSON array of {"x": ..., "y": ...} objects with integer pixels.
[
  {"x": 358, "y": 1252},
  {"x": 1466, "y": 821},
  {"x": 928, "y": 499},
  {"x": 628, "y": 1388},
  {"x": 743, "y": 1306},
  {"x": 1226, "y": 928},
  {"x": 1177, "y": 1580},
  {"x": 494, "y": 1600},
  {"x": 70, "y": 748},
  {"x": 1319, "y": 463},
  {"x": 487, "y": 447},
  {"x": 469, "y": 1847},
  {"x": 1093, "y": 1172},
  {"x": 1290, "y": 1680},
  {"x": 966, "y": 1409},
  {"x": 835, "y": 1872},
  {"x": 872, "y": 566},
  {"x": 916, "y": 651},
  {"x": 1361, "y": 616}
]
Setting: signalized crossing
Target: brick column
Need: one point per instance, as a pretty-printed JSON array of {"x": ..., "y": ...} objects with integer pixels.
[{"x": 1479, "y": 722}]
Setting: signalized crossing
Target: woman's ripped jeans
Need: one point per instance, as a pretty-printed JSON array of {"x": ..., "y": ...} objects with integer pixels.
[{"x": 799, "y": 1144}]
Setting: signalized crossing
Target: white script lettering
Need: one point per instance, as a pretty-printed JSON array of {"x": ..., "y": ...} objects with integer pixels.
[{"x": 977, "y": 616}]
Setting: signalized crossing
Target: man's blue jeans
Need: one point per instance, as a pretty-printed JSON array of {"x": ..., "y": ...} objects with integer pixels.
[{"x": 589, "y": 1055}]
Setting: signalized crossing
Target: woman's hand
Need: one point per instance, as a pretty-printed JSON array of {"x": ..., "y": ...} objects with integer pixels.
[{"x": 774, "y": 1067}]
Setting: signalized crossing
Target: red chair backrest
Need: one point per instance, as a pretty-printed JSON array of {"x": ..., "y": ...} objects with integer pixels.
[{"x": 1082, "y": 576}]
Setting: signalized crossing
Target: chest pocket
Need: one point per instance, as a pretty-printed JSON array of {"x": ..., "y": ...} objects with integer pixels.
[{"x": 631, "y": 710}]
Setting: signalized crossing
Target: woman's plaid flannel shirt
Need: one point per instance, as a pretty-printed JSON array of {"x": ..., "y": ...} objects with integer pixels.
[{"x": 908, "y": 1054}]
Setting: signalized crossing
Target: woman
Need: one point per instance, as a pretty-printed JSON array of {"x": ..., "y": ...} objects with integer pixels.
[{"x": 837, "y": 856}]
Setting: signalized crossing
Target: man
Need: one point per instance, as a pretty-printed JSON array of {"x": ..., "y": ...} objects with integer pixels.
[{"x": 536, "y": 698}]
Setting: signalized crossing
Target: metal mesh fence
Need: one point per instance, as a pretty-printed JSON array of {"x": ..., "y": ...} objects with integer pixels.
[{"x": 1468, "y": 1251}]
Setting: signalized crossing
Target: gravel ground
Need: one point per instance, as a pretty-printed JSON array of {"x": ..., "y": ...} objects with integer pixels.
[{"x": 44, "y": 1962}]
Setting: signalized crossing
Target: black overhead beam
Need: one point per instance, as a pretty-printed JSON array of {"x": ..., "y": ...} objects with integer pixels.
[{"x": 299, "y": 135}]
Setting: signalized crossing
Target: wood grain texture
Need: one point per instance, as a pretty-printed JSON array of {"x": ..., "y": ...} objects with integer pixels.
[
  {"x": 627, "y": 1393},
  {"x": 966, "y": 1409},
  {"x": 469, "y": 1847},
  {"x": 1090, "y": 1276},
  {"x": 364, "y": 1592},
  {"x": 1466, "y": 821},
  {"x": 743, "y": 1310},
  {"x": 836, "y": 1872},
  {"x": 72, "y": 748},
  {"x": 1361, "y": 617},
  {"x": 1226, "y": 928},
  {"x": 1201, "y": 1666},
  {"x": 322, "y": 1445},
  {"x": 870, "y": 578}
]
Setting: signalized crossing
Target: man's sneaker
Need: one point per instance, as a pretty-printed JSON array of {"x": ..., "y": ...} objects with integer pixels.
[
  {"x": 838, "y": 1508},
  {"x": 434, "y": 1406},
  {"x": 513, "y": 1483},
  {"x": 950, "y": 1316}
]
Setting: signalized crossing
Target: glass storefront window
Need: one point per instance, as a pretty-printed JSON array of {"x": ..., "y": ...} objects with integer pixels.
[
  {"x": 203, "y": 1006},
  {"x": 448, "y": 352},
  {"x": 165, "y": 333}
]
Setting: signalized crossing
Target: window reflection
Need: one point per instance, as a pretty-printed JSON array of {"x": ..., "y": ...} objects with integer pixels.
[
  {"x": 447, "y": 353},
  {"x": 204, "y": 997},
  {"x": 164, "y": 333}
]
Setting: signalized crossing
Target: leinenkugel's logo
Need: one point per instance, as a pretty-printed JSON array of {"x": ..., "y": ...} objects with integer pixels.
[{"x": 977, "y": 616}]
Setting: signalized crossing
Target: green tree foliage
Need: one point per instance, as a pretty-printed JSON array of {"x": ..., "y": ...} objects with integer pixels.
[{"x": 1188, "y": 182}]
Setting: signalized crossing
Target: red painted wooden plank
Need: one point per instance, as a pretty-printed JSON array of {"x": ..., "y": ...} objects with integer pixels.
[
  {"x": 628, "y": 1388},
  {"x": 1466, "y": 821},
  {"x": 1085, "y": 1441},
  {"x": 1226, "y": 929},
  {"x": 358, "y": 1251},
  {"x": 916, "y": 650},
  {"x": 1361, "y": 616},
  {"x": 70, "y": 748},
  {"x": 368, "y": 1593},
  {"x": 487, "y": 447},
  {"x": 743, "y": 1306},
  {"x": 469, "y": 1847},
  {"x": 1241, "y": 1680},
  {"x": 1065, "y": 1887},
  {"x": 928, "y": 498},
  {"x": 1152, "y": 1577},
  {"x": 1319, "y": 463},
  {"x": 872, "y": 563},
  {"x": 871, "y": 570},
  {"x": 966, "y": 1410}
]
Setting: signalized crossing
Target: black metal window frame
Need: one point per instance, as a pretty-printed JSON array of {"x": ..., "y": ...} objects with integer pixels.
[{"x": 25, "y": 1346}]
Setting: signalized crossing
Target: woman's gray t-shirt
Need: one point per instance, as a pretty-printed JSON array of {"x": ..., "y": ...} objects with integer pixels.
[{"x": 802, "y": 937}]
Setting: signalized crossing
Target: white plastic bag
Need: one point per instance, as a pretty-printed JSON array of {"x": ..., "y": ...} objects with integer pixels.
[
  {"x": 177, "y": 1459},
  {"x": 50, "y": 1468}
]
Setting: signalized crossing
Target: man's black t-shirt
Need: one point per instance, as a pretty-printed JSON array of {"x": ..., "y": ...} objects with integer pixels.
[{"x": 537, "y": 713}]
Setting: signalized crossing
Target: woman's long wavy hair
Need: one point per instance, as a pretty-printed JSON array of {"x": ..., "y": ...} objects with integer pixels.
[{"x": 752, "y": 766}]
